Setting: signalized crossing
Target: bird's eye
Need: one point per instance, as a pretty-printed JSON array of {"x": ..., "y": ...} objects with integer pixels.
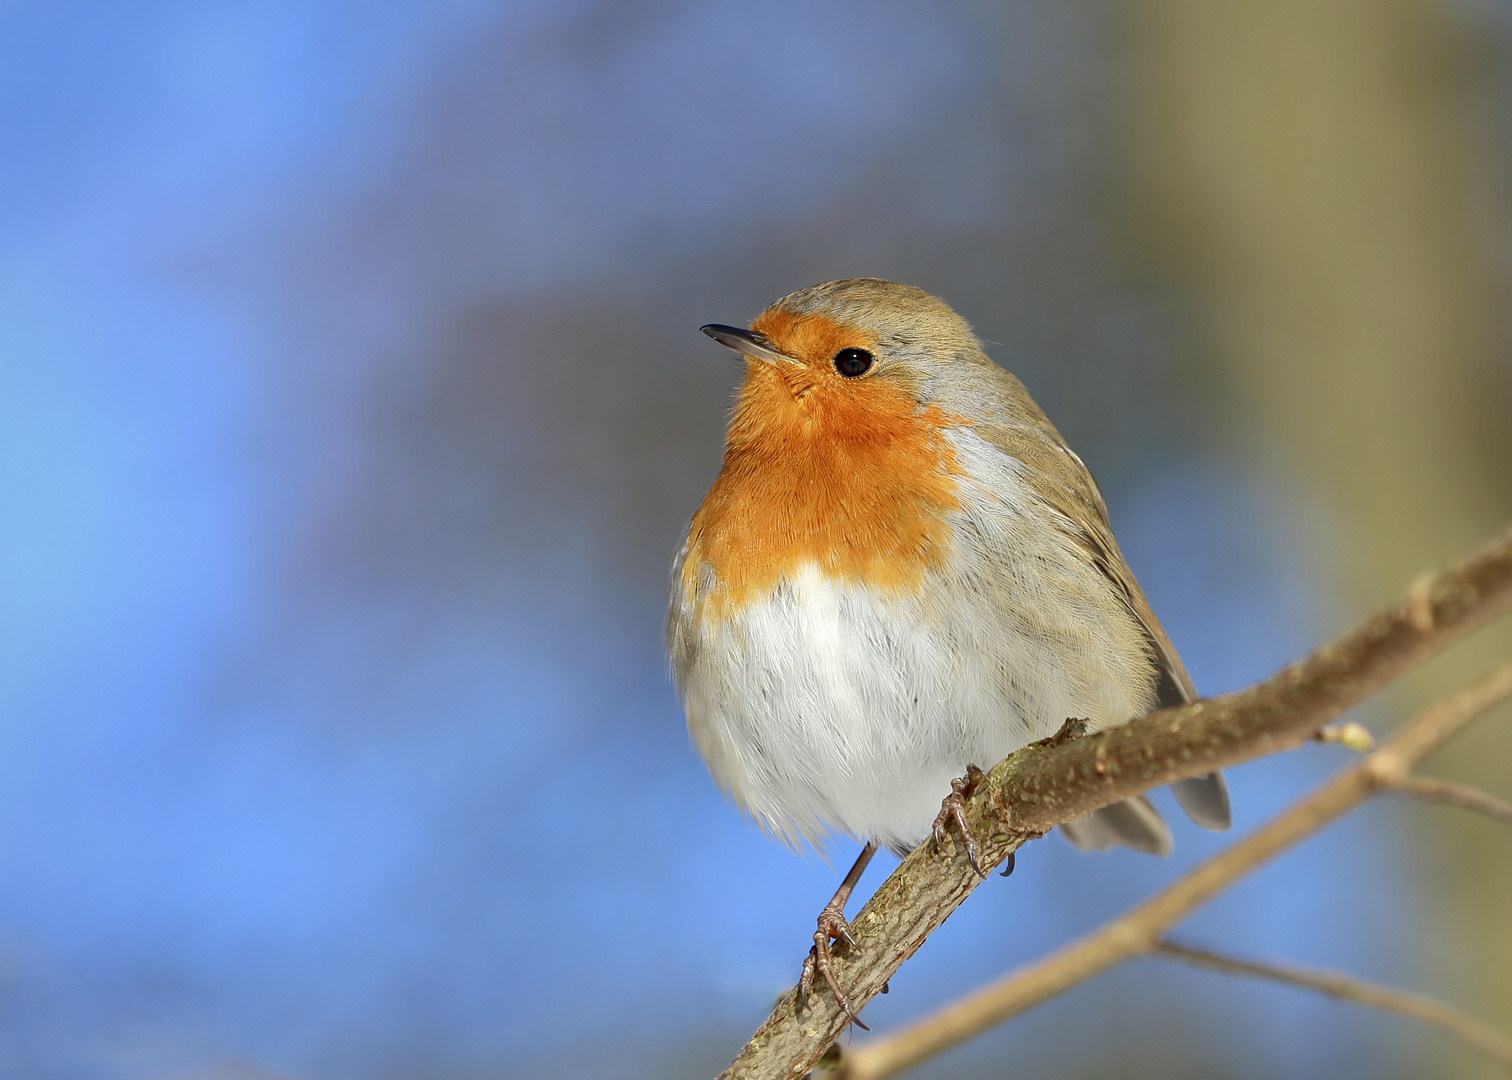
[{"x": 853, "y": 362}]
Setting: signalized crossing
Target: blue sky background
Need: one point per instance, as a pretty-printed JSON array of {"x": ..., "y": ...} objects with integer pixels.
[{"x": 351, "y": 402}]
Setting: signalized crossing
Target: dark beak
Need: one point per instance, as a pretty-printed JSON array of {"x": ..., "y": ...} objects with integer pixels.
[{"x": 747, "y": 343}]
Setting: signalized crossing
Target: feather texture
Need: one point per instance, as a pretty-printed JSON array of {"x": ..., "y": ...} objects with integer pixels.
[{"x": 900, "y": 574}]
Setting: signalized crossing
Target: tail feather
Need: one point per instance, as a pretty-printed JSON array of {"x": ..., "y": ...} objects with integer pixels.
[
  {"x": 1133, "y": 823},
  {"x": 1205, "y": 800}
]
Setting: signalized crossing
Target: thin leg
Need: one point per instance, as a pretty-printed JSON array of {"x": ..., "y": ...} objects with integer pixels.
[{"x": 832, "y": 924}]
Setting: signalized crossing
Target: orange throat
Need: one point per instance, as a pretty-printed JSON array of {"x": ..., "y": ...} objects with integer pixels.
[{"x": 851, "y": 476}]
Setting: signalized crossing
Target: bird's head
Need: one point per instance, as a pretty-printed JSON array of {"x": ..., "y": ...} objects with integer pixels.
[{"x": 845, "y": 359}]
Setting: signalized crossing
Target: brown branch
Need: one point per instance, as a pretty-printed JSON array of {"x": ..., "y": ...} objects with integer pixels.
[
  {"x": 1044, "y": 785},
  {"x": 1137, "y": 932},
  {"x": 1461, "y": 795},
  {"x": 1483, "y": 1039}
]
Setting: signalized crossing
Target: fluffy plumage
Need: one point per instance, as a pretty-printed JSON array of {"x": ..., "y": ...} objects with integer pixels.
[{"x": 899, "y": 574}]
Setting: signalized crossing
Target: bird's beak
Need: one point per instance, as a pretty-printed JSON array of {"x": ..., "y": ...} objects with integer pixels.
[{"x": 747, "y": 343}]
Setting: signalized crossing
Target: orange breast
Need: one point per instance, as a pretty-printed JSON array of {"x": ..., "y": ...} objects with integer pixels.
[{"x": 849, "y": 474}]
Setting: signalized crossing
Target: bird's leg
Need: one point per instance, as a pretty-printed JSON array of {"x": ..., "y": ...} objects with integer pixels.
[
  {"x": 832, "y": 924},
  {"x": 951, "y": 809}
]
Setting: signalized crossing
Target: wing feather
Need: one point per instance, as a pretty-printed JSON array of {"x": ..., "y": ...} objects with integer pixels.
[{"x": 1064, "y": 483}]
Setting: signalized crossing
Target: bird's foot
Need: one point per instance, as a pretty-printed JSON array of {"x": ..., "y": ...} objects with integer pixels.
[
  {"x": 952, "y": 809},
  {"x": 832, "y": 926}
]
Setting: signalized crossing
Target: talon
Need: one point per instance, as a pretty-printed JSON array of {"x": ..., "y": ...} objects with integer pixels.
[
  {"x": 1008, "y": 864},
  {"x": 806, "y": 981},
  {"x": 952, "y": 809},
  {"x": 831, "y": 925}
]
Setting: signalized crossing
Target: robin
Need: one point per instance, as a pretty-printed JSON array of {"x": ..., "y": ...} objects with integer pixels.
[{"x": 901, "y": 571}]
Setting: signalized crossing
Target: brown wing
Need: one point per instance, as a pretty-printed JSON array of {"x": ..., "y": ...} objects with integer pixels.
[
  {"x": 1063, "y": 481},
  {"x": 1086, "y": 518},
  {"x": 1059, "y": 477}
]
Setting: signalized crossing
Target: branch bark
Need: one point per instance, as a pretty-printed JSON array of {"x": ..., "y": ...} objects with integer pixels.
[
  {"x": 1452, "y": 794},
  {"x": 1046, "y": 784},
  {"x": 1493, "y": 1044},
  {"x": 1137, "y": 932}
]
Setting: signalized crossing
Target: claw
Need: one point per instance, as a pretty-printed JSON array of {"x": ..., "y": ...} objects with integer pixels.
[
  {"x": 831, "y": 925},
  {"x": 952, "y": 809},
  {"x": 1008, "y": 864}
]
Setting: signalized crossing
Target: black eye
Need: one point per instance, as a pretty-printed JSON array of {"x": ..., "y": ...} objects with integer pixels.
[{"x": 853, "y": 362}]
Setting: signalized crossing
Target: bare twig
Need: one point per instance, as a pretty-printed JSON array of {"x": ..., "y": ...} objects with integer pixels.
[
  {"x": 1044, "y": 785},
  {"x": 1461, "y": 795},
  {"x": 1137, "y": 932},
  {"x": 1485, "y": 1040}
]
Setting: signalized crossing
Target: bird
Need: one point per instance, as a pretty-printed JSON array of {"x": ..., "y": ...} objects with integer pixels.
[{"x": 901, "y": 573}]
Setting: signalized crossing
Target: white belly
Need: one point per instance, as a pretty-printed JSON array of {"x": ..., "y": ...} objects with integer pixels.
[{"x": 828, "y": 706}]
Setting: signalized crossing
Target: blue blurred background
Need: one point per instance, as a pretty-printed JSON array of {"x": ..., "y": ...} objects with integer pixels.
[{"x": 351, "y": 404}]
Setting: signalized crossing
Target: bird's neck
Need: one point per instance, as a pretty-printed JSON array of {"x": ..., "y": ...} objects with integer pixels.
[{"x": 859, "y": 489}]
